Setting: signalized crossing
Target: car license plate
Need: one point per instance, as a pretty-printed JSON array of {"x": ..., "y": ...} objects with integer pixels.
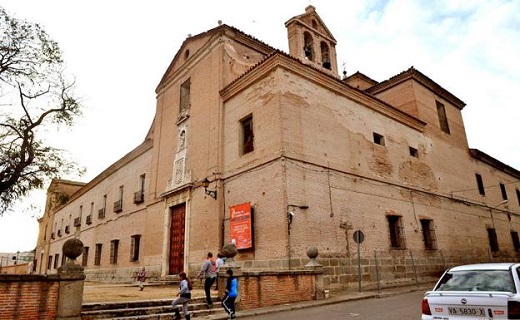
[{"x": 466, "y": 311}]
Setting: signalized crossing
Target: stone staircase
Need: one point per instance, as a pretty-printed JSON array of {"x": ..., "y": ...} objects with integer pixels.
[{"x": 149, "y": 309}]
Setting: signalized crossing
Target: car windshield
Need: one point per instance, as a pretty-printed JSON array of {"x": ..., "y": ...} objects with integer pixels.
[{"x": 477, "y": 280}]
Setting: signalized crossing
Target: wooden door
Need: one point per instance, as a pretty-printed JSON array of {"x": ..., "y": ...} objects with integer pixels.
[{"x": 178, "y": 215}]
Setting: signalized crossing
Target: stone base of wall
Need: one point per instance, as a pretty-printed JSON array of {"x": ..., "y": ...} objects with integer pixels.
[
  {"x": 122, "y": 275},
  {"x": 381, "y": 269}
]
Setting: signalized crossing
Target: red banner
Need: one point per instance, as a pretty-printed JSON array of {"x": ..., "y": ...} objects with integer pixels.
[{"x": 241, "y": 226}]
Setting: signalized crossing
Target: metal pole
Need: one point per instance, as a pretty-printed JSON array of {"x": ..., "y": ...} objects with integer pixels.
[
  {"x": 359, "y": 265},
  {"x": 377, "y": 274},
  {"x": 414, "y": 270}
]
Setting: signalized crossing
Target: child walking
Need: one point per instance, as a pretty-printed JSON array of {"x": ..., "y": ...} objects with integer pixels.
[
  {"x": 141, "y": 278},
  {"x": 184, "y": 298},
  {"x": 231, "y": 294}
]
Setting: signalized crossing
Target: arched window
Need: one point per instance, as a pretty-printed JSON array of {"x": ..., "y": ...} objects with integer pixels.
[
  {"x": 308, "y": 46},
  {"x": 325, "y": 55}
]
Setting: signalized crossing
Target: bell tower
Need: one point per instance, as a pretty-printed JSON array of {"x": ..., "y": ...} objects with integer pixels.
[{"x": 311, "y": 41}]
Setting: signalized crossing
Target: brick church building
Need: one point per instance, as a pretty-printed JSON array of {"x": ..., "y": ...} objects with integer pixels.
[{"x": 279, "y": 152}]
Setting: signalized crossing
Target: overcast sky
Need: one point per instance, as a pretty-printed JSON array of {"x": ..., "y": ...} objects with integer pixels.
[{"x": 118, "y": 51}]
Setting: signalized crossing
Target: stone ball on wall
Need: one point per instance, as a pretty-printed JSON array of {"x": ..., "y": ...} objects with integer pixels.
[
  {"x": 312, "y": 252},
  {"x": 229, "y": 250},
  {"x": 72, "y": 248}
]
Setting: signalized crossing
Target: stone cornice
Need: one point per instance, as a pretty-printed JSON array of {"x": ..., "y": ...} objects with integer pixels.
[
  {"x": 479, "y": 155},
  {"x": 281, "y": 60},
  {"x": 136, "y": 152}
]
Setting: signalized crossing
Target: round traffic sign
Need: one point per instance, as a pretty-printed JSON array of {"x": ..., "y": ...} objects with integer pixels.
[{"x": 359, "y": 236}]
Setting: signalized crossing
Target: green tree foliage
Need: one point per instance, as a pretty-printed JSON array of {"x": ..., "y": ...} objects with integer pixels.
[{"x": 35, "y": 97}]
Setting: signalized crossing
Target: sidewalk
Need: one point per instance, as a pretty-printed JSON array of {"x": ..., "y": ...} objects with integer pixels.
[
  {"x": 336, "y": 297},
  {"x": 97, "y": 292}
]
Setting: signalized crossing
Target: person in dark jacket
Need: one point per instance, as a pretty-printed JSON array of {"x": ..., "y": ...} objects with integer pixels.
[
  {"x": 228, "y": 302},
  {"x": 184, "y": 298}
]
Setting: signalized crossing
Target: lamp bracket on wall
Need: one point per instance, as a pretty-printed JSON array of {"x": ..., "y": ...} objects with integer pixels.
[
  {"x": 291, "y": 214},
  {"x": 211, "y": 193}
]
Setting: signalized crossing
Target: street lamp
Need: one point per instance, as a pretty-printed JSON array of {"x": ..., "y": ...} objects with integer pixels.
[{"x": 290, "y": 214}]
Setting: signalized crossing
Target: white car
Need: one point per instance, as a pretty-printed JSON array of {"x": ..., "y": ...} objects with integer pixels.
[{"x": 488, "y": 291}]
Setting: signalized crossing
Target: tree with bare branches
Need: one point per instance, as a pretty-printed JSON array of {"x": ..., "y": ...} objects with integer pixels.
[{"x": 35, "y": 97}]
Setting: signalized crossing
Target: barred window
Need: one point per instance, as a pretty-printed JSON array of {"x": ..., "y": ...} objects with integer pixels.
[
  {"x": 516, "y": 241},
  {"x": 395, "y": 227},
  {"x": 84, "y": 258},
  {"x": 430, "y": 241},
  {"x": 97, "y": 257},
  {"x": 493, "y": 240},
  {"x": 114, "y": 250},
  {"x": 134, "y": 247}
]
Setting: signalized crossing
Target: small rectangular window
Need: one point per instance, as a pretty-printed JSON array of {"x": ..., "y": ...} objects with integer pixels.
[
  {"x": 134, "y": 247},
  {"x": 114, "y": 251},
  {"x": 430, "y": 241},
  {"x": 118, "y": 205},
  {"x": 518, "y": 196},
  {"x": 56, "y": 260},
  {"x": 379, "y": 139},
  {"x": 516, "y": 241},
  {"x": 396, "y": 232},
  {"x": 97, "y": 257},
  {"x": 102, "y": 211},
  {"x": 248, "y": 136},
  {"x": 493, "y": 240},
  {"x": 480, "y": 184},
  {"x": 185, "y": 96},
  {"x": 443, "y": 119},
  {"x": 503, "y": 190},
  {"x": 49, "y": 263},
  {"x": 84, "y": 258},
  {"x": 139, "y": 194},
  {"x": 142, "y": 179},
  {"x": 414, "y": 152}
]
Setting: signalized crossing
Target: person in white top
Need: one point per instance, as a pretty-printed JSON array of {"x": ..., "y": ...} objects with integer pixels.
[
  {"x": 185, "y": 287},
  {"x": 218, "y": 262}
]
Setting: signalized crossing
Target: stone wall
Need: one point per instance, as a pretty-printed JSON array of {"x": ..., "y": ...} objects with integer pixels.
[
  {"x": 265, "y": 288},
  {"x": 56, "y": 297},
  {"x": 29, "y": 297}
]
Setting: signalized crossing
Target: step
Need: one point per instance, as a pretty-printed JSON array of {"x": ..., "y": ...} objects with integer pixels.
[
  {"x": 146, "y": 309},
  {"x": 204, "y": 314}
]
